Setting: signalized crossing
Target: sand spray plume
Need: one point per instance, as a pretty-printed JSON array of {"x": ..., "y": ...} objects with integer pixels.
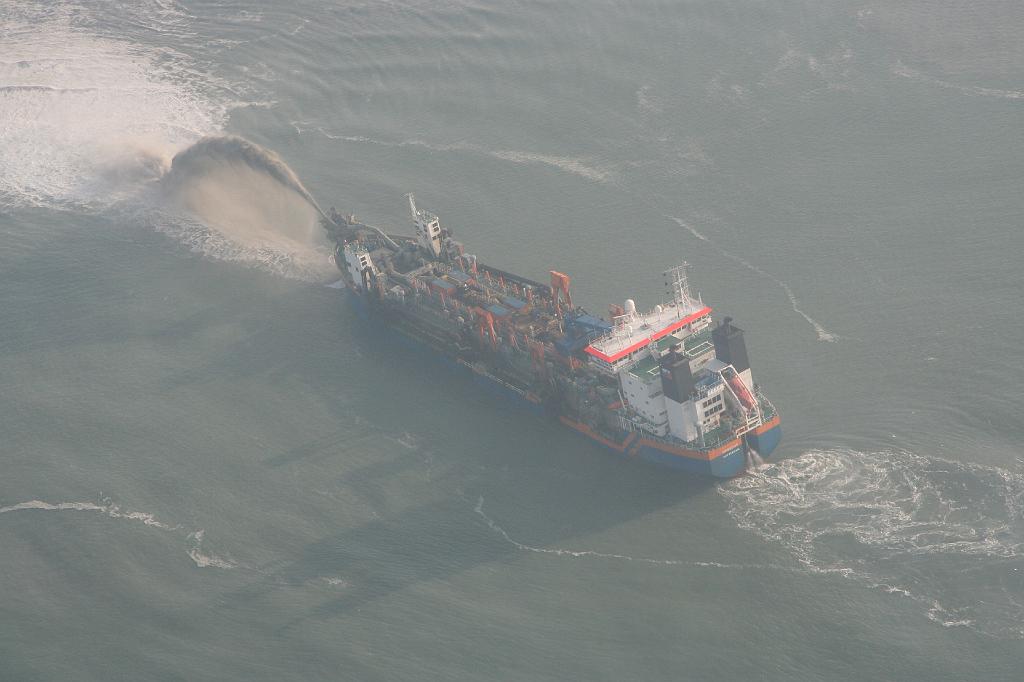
[
  {"x": 98, "y": 124},
  {"x": 251, "y": 199},
  {"x": 233, "y": 149}
]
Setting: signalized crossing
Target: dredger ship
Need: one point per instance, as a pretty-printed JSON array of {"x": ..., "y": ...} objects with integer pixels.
[{"x": 664, "y": 385}]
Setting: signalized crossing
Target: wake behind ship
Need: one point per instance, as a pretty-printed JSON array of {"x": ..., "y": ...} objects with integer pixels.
[{"x": 664, "y": 385}]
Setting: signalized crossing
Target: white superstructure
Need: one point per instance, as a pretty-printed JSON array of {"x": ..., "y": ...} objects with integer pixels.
[
  {"x": 633, "y": 332},
  {"x": 357, "y": 259},
  {"x": 428, "y": 228},
  {"x": 670, "y": 379}
]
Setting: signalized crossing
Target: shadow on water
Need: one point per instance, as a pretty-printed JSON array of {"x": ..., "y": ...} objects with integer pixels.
[
  {"x": 437, "y": 541},
  {"x": 568, "y": 486},
  {"x": 313, "y": 450},
  {"x": 213, "y": 323}
]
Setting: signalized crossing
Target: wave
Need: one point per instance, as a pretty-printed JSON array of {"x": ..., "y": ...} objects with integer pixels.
[
  {"x": 568, "y": 164},
  {"x": 919, "y": 527},
  {"x": 205, "y": 560},
  {"x": 581, "y": 167},
  {"x": 647, "y": 103},
  {"x": 903, "y": 71},
  {"x": 115, "y": 511},
  {"x": 41, "y": 88},
  {"x": 833, "y": 69},
  {"x": 823, "y": 334},
  {"x": 108, "y": 508},
  {"x": 586, "y": 553}
]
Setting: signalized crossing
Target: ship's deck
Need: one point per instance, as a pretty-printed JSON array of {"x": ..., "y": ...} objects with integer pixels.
[
  {"x": 629, "y": 336},
  {"x": 651, "y": 366}
]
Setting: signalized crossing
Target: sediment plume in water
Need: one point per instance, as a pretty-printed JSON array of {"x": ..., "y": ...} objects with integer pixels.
[{"x": 249, "y": 195}]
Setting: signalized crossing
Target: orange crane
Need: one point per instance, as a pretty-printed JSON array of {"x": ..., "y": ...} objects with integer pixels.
[
  {"x": 537, "y": 355},
  {"x": 560, "y": 289},
  {"x": 485, "y": 324}
]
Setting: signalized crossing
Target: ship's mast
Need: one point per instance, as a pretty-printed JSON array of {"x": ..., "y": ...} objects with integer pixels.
[
  {"x": 428, "y": 228},
  {"x": 677, "y": 284}
]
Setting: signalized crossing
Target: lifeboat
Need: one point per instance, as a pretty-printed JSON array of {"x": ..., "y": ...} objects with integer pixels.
[{"x": 742, "y": 392}]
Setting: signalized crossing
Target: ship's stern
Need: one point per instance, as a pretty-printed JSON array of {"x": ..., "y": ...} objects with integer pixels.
[{"x": 764, "y": 439}]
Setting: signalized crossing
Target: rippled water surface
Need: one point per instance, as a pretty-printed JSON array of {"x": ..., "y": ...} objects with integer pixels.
[{"x": 211, "y": 470}]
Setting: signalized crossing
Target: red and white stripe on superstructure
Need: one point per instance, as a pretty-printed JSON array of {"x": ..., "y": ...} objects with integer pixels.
[{"x": 633, "y": 335}]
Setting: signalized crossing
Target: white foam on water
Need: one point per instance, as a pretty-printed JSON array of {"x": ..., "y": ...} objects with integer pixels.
[
  {"x": 834, "y": 69},
  {"x": 585, "y": 168},
  {"x": 582, "y": 167},
  {"x": 303, "y": 264},
  {"x": 647, "y": 102},
  {"x": 91, "y": 122},
  {"x": 84, "y": 113},
  {"x": 406, "y": 440},
  {"x": 205, "y": 560},
  {"x": 716, "y": 88},
  {"x": 586, "y": 553},
  {"x": 942, "y": 616},
  {"x": 903, "y": 71},
  {"x": 115, "y": 511},
  {"x": 913, "y": 526},
  {"x": 112, "y": 510},
  {"x": 689, "y": 228},
  {"x": 823, "y": 334}
]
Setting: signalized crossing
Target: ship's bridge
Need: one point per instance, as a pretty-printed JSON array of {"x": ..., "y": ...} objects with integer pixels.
[{"x": 633, "y": 332}]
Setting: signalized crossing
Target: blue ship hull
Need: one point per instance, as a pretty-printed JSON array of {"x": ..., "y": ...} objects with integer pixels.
[{"x": 726, "y": 465}]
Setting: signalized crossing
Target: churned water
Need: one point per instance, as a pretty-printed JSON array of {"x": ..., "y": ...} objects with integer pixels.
[{"x": 210, "y": 470}]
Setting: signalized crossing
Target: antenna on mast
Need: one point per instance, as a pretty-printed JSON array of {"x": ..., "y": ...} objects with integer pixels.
[
  {"x": 428, "y": 228},
  {"x": 677, "y": 284}
]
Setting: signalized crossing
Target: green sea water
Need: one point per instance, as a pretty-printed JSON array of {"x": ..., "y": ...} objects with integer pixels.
[{"x": 211, "y": 469}]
